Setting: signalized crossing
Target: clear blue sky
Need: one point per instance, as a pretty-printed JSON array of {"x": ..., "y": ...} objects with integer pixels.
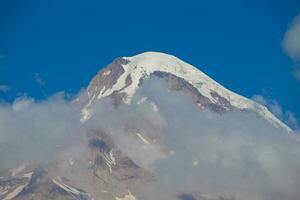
[{"x": 64, "y": 43}]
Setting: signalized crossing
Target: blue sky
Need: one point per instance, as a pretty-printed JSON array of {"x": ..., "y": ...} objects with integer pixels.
[{"x": 52, "y": 46}]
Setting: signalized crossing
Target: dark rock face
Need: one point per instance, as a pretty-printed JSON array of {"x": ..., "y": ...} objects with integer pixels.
[
  {"x": 55, "y": 192},
  {"x": 107, "y": 77},
  {"x": 117, "y": 98},
  {"x": 34, "y": 182},
  {"x": 222, "y": 101},
  {"x": 122, "y": 168},
  {"x": 179, "y": 84},
  {"x": 98, "y": 143},
  {"x": 11, "y": 182},
  {"x": 100, "y": 146}
]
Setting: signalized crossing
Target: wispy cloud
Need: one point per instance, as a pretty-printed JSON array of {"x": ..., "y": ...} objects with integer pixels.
[
  {"x": 260, "y": 99},
  {"x": 291, "y": 41},
  {"x": 297, "y": 74},
  {"x": 286, "y": 116},
  {"x": 4, "y": 88},
  {"x": 38, "y": 79},
  {"x": 291, "y": 44},
  {"x": 1, "y": 58},
  {"x": 291, "y": 119}
]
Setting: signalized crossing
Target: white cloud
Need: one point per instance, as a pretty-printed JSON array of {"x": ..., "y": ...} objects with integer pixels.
[
  {"x": 39, "y": 80},
  {"x": 297, "y": 74},
  {"x": 291, "y": 119},
  {"x": 276, "y": 109},
  {"x": 4, "y": 88},
  {"x": 286, "y": 116},
  {"x": 237, "y": 152},
  {"x": 35, "y": 129},
  {"x": 272, "y": 105},
  {"x": 259, "y": 99},
  {"x": 291, "y": 41},
  {"x": 22, "y": 103}
]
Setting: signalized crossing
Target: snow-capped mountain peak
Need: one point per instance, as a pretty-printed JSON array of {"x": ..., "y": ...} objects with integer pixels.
[{"x": 125, "y": 75}]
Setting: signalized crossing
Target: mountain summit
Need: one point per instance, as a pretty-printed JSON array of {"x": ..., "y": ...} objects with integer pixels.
[{"x": 122, "y": 78}]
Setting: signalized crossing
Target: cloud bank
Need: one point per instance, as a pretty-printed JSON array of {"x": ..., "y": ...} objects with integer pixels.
[
  {"x": 33, "y": 131},
  {"x": 236, "y": 154}
]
